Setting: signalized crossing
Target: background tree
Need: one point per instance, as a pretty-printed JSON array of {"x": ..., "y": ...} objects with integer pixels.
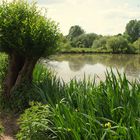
[
  {"x": 64, "y": 43},
  {"x": 25, "y": 35},
  {"x": 133, "y": 30},
  {"x": 84, "y": 40},
  {"x": 136, "y": 45},
  {"x": 75, "y": 31},
  {"x": 118, "y": 44},
  {"x": 100, "y": 43}
]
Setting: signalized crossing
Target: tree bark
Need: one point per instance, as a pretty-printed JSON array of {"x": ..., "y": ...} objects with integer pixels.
[
  {"x": 26, "y": 72},
  {"x": 19, "y": 70},
  {"x": 15, "y": 65}
]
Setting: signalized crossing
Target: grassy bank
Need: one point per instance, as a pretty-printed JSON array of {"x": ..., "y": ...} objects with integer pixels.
[
  {"x": 82, "y": 50},
  {"x": 79, "y": 110},
  {"x": 82, "y": 110},
  {"x": 92, "y": 50}
]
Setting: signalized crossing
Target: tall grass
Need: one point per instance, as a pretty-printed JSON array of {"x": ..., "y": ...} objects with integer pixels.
[
  {"x": 82, "y": 110},
  {"x": 3, "y": 67}
]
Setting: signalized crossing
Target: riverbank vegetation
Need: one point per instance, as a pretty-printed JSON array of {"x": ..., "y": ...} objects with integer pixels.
[
  {"x": 77, "y": 110},
  {"x": 50, "y": 109},
  {"x": 82, "y": 109},
  {"x": 78, "y": 41}
]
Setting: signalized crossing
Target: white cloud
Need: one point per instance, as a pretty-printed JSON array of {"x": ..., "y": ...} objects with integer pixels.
[{"x": 99, "y": 16}]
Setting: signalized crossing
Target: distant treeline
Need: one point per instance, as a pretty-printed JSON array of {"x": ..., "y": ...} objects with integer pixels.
[{"x": 128, "y": 42}]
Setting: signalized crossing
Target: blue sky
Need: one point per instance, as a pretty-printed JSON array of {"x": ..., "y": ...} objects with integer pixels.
[{"x": 105, "y": 17}]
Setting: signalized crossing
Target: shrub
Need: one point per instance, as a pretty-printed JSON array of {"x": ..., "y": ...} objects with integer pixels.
[
  {"x": 136, "y": 45},
  {"x": 84, "y": 40},
  {"x": 118, "y": 44},
  {"x": 3, "y": 67},
  {"x": 27, "y": 92},
  {"x": 1, "y": 129},
  {"x": 34, "y": 123},
  {"x": 100, "y": 43}
]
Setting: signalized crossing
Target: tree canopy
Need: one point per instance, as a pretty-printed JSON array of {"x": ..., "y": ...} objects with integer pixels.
[
  {"x": 84, "y": 40},
  {"x": 136, "y": 45},
  {"x": 127, "y": 42},
  {"x": 24, "y": 30},
  {"x": 101, "y": 42},
  {"x": 25, "y": 35},
  {"x": 133, "y": 30},
  {"x": 75, "y": 31},
  {"x": 118, "y": 44}
]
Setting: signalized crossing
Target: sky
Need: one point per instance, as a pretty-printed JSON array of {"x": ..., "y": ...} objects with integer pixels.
[{"x": 106, "y": 17}]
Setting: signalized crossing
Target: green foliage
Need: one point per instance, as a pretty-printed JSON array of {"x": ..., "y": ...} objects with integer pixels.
[
  {"x": 133, "y": 30},
  {"x": 109, "y": 44},
  {"x": 75, "y": 31},
  {"x": 118, "y": 44},
  {"x": 40, "y": 73},
  {"x": 25, "y": 31},
  {"x": 84, "y": 50},
  {"x": 84, "y": 40},
  {"x": 85, "y": 110},
  {"x": 3, "y": 67},
  {"x": 64, "y": 43},
  {"x": 100, "y": 43},
  {"x": 19, "y": 99},
  {"x": 136, "y": 45},
  {"x": 114, "y": 44},
  {"x": 27, "y": 92},
  {"x": 3, "y": 70},
  {"x": 25, "y": 35},
  {"x": 1, "y": 129},
  {"x": 34, "y": 123}
]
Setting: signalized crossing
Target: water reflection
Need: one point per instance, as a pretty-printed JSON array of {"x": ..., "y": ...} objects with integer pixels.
[{"x": 70, "y": 66}]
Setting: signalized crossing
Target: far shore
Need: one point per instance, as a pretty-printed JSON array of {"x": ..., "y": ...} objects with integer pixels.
[{"x": 92, "y": 52}]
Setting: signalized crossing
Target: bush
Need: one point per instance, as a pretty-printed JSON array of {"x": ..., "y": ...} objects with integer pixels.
[
  {"x": 34, "y": 123},
  {"x": 84, "y": 40},
  {"x": 1, "y": 129},
  {"x": 27, "y": 92},
  {"x": 3, "y": 68},
  {"x": 136, "y": 45},
  {"x": 118, "y": 44},
  {"x": 100, "y": 43}
]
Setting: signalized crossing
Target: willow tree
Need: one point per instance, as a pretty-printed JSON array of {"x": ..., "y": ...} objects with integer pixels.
[
  {"x": 25, "y": 35},
  {"x": 133, "y": 30}
]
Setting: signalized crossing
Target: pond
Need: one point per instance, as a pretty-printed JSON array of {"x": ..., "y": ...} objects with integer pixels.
[{"x": 69, "y": 66}]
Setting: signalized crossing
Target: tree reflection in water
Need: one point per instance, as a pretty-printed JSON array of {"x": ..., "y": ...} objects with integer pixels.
[{"x": 130, "y": 64}]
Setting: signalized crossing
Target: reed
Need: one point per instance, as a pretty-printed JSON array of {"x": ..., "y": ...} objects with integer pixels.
[{"x": 84, "y": 110}]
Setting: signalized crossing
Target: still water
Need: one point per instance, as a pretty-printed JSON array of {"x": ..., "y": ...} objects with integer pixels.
[{"x": 69, "y": 66}]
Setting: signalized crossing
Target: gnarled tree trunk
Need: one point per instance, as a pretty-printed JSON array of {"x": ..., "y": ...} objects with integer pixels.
[
  {"x": 26, "y": 72},
  {"x": 19, "y": 70},
  {"x": 15, "y": 65}
]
